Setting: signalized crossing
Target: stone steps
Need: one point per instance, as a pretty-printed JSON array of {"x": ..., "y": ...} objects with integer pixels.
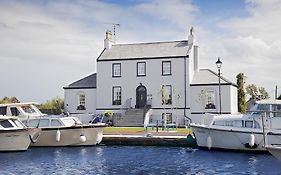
[{"x": 132, "y": 117}]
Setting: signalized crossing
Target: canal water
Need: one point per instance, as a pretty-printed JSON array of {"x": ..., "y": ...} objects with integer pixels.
[{"x": 135, "y": 160}]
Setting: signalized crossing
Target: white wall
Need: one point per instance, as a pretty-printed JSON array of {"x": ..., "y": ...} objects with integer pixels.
[
  {"x": 71, "y": 100},
  {"x": 228, "y": 100},
  {"x": 153, "y": 80}
]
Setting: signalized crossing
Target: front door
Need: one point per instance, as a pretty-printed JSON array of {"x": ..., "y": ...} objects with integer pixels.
[{"x": 141, "y": 96}]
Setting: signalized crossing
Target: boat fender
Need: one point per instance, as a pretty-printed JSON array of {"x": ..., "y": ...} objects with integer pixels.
[
  {"x": 252, "y": 140},
  {"x": 82, "y": 138},
  {"x": 58, "y": 135},
  {"x": 209, "y": 142}
]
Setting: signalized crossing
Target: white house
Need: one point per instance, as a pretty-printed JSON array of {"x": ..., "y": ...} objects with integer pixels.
[
  {"x": 80, "y": 96},
  {"x": 162, "y": 77}
]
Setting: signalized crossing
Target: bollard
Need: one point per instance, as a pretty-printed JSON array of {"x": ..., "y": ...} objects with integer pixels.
[{"x": 156, "y": 125}]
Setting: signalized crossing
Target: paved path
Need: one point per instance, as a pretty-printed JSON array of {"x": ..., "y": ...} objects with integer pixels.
[{"x": 142, "y": 133}]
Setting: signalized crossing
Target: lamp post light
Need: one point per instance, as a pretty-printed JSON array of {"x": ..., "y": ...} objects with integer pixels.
[{"x": 219, "y": 63}]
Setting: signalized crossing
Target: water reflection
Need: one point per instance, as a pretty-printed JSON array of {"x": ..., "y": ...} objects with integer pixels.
[{"x": 135, "y": 160}]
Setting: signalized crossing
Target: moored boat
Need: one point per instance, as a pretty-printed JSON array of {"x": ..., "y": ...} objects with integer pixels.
[
  {"x": 275, "y": 151},
  {"x": 14, "y": 136},
  {"x": 242, "y": 132},
  {"x": 66, "y": 131},
  {"x": 57, "y": 130}
]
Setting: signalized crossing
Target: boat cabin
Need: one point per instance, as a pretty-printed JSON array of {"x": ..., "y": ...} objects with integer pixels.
[
  {"x": 22, "y": 110},
  {"x": 10, "y": 123},
  {"x": 271, "y": 107},
  {"x": 49, "y": 122}
]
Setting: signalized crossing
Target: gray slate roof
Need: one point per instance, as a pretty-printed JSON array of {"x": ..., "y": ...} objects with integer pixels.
[
  {"x": 146, "y": 50},
  {"x": 209, "y": 77},
  {"x": 89, "y": 82}
]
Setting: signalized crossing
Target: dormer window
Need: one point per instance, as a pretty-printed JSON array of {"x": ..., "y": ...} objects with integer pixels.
[
  {"x": 166, "y": 68},
  {"x": 116, "y": 70}
]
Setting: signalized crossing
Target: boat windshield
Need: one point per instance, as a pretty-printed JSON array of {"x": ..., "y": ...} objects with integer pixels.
[
  {"x": 42, "y": 123},
  {"x": 28, "y": 109}
]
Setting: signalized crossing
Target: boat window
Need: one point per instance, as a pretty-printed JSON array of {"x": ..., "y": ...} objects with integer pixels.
[
  {"x": 3, "y": 110},
  {"x": 249, "y": 124},
  {"x": 33, "y": 123},
  {"x": 277, "y": 109},
  {"x": 28, "y": 109},
  {"x": 256, "y": 124},
  {"x": 263, "y": 107},
  {"x": 238, "y": 123},
  {"x": 6, "y": 124},
  {"x": 14, "y": 111},
  {"x": 42, "y": 122},
  {"x": 55, "y": 122},
  {"x": 218, "y": 123},
  {"x": 228, "y": 123}
]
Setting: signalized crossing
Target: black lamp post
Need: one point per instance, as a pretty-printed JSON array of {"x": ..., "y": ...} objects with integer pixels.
[{"x": 219, "y": 63}]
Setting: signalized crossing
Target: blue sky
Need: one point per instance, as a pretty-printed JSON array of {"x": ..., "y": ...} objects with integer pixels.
[{"x": 48, "y": 44}]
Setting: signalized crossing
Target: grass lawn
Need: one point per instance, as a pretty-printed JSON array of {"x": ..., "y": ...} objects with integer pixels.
[{"x": 140, "y": 129}]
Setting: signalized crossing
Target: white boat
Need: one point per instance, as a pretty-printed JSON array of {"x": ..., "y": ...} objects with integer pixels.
[
  {"x": 243, "y": 132},
  {"x": 21, "y": 110},
  {"x": 14, "y": 136},
  {"x": 66, "y": 131},
  {"x": 275, "y": 151},
  {"x": 56, "y": 130}
]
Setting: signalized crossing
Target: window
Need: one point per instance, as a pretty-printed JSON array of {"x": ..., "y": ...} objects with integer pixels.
[
  {"x": 210, "y": 100},
  {"x": 28, "y": 109},
  {"x": 248, "y": 124},
  {"x": 14, "y": 111},
  {"x": 82, "y": 102},
  {"x": 116, "y": 70},
  {"x": 167, "y": 117},
  {"x": 116, "y": 95},
  {"x": 166, "y": 94},
  {"x": 141, "y": 69},
  {"x": 55, "y": 122},
  {"x": 166, "y": 68},
  {"x": 3, "y": 110},
  {"x": 6, "y": 124}
]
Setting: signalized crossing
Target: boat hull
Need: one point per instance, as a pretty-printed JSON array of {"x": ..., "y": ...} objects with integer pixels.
[
  {"x": 230, "y": 139},
  {"x": 69, "y": 136},
  {"x": 275, "y": 151},
  {"x": 14, "y": 140}
]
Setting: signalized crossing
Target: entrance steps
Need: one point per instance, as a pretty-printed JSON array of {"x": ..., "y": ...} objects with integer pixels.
[{"x": 132, "y": 117}]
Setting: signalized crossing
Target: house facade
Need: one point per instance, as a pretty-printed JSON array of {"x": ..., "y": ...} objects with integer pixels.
[
  {"x": 161, "y": 76},
  {"x": 80, "y": 96}
]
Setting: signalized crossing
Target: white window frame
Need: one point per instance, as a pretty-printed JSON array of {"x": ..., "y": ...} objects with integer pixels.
[
  {"x": 116, "y": 69},
  {"x": 141, "y": 69},
  {"x": 166, "y": 68}
]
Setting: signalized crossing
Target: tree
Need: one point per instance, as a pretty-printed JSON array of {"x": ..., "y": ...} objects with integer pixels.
[
  {"x": 9, "y": 100},
  {"x": 54, "y": 106},
  {"x": 241, "y": 93},
  {"x": 279, "y": 98},
  {"x": 257, "y": 92}
]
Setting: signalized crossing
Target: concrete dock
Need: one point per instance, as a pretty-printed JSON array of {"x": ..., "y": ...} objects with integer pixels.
[{"x": 149, "y": 139}]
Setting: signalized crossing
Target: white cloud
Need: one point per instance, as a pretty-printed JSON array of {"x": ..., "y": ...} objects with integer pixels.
[
  {"x": 180, "y": 12},
  {"x": 250, "y": 44}
]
